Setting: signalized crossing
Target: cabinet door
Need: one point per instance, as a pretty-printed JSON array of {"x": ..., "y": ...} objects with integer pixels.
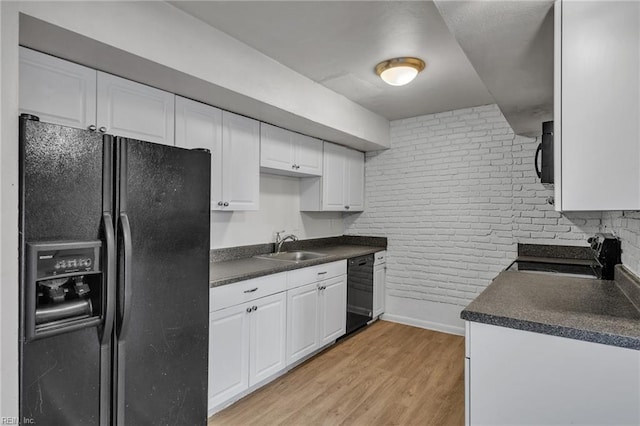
[
  {"x": 355, "y": 180},
  {"x": 133, "y": 110},
  {"x": 333, "y": 177},
  {"x": 241, "y": 162},
  {"x": 268, "y": 337},
  {"x": 200, "y": 126},
  {"x": 599, "y": 122},
  {"x": 302, "y": 322},
  {"x": 333, "y": 309},
  {"x": 379, "y": 279},
  {"x": 276, "y": 148},
  {"x": 57, "y": 91},
  {"x": 518, "y": 376},
  {"x": 228, "y": 354},
  {"x": 308, "y": 155}
]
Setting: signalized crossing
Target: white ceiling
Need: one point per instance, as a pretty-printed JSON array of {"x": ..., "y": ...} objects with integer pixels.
[
  {"x": 338, "y": 44},
  {"x": 510, "y": 44}
]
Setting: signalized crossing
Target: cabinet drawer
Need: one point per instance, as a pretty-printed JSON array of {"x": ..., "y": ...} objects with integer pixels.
[
  {"x": 303, "y": 276},
  {"x": 245, "y": 291},
  {"x": 380, "y": 257}
]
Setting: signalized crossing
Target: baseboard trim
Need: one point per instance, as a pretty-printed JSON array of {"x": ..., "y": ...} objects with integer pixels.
[{"x": 429, "y": 325}]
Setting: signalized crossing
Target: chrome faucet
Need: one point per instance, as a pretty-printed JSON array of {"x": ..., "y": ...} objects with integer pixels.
[{"x": 280, "y": 240}]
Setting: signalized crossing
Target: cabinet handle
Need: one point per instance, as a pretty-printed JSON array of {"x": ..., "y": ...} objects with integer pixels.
[
  {"x": 102, "y": 129},
  {"x": 293, "y": 166},
  {"x": 251, "y": 291},
  {"x": 255, "y": 308},
  {"x": 226, "y": 204},
  {"x": 249, "y": 310},
  {"x": 322, "y": 273},
  {"x": 297, "y": 166},
  {"x": 92, "y": 127},
  {"x": 220, "y": 203},
  {"x": 346, "y": 207}
]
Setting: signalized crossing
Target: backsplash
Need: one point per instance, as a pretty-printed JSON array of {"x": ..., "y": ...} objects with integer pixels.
[
  {"x": 625, "y": 225},
  {"x": 455, "y": 194}
]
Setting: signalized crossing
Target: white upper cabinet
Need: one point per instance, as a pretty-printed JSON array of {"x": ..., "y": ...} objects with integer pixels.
[
  {"x": 57, "y": 91},
  {"x": 341, "y": 187},
  {"x": 597, "y": 105},
  {"x": 355, "y": 180},
  {"x": 288, "y": 153},
  {"x": 68, "y": 94},
  {"x": 240, "y": 162},
  {"x": 200, "y": 126},
  {"x": 234, "y": 144},
  {"x": 308, "y": 155},
  {"x": 133, "y": 110}
]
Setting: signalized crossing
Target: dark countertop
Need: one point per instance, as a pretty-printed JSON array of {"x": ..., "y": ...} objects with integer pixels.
[
  {"x": 578, "y": 308},
  {"x": 230, "y": 271}
]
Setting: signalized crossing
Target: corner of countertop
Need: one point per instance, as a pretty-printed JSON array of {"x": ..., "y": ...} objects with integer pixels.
[{"x": 629, "y": 284}]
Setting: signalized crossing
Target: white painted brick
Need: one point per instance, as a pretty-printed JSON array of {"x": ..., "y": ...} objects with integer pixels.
[{"x": 455, "y": 194}]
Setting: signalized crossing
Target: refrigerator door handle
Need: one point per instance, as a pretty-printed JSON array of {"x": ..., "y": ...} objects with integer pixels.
[
  {"x": 126, "y": 276},
  {"x": 110, "y": 305}
]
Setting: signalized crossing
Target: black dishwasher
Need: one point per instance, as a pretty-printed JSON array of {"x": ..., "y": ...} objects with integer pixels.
[{"x": 359, "y": 292}]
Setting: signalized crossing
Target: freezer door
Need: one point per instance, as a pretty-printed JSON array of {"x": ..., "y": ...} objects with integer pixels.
[
  {"x": 62, "y": 180},
  {"x": 162, "y": 315}
]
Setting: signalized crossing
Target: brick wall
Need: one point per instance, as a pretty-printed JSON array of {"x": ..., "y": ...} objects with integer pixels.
[
  {"x": 454, "y": 195},
  {"x": 626, "y": 225}
]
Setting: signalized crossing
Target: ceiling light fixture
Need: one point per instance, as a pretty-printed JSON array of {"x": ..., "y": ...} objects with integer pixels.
[{"x": 399, "y": 71}]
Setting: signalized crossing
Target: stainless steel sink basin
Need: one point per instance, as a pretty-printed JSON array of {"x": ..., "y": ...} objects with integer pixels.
[{"x": 293, "y": 256}]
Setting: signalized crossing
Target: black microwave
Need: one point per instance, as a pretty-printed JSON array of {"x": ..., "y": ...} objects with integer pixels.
[{"x": 544, "y": 154}]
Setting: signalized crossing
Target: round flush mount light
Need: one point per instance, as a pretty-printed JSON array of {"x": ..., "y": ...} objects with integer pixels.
[{"x": 399, "y": 71}]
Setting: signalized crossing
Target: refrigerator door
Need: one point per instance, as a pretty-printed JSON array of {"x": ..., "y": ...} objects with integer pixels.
[
  {"x": 62, "y": 181},
  {"x": 163, "y": 250}
]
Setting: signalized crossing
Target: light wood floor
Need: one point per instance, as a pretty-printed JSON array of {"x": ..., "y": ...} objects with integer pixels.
[{"x": 387, "y": 374}]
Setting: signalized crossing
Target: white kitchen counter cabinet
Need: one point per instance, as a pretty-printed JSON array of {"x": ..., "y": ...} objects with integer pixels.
[
  {"x": 68, "y": 94},
  {"x": 247, "y": 341},
  {"x": 228, "y": 354},
  {"x": 302, "y": 322},
  {"x": 379, "y": 282},
  {"x": 520, "y": 377},
  {"x": 597, "y": 105},
  {"x": 288, "y": 153},
  {"x": 234, "y": 143},
  {"x": 341, "y": 187},
  {"x": 332, "y": 307},
  {"x": 268, "y": 332}
]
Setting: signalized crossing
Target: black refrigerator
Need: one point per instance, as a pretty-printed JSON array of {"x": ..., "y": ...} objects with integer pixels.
[{"x": 114, "y": 236}]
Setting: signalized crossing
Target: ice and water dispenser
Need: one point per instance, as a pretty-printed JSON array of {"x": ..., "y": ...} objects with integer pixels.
[{"x": 64, "y": 288}]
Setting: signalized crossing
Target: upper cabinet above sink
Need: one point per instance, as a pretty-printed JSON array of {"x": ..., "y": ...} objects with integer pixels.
[{"x": 284, "y": 152}]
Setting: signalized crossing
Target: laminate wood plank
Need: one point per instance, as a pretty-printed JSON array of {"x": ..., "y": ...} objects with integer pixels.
[{"x": 387, "y": 374}]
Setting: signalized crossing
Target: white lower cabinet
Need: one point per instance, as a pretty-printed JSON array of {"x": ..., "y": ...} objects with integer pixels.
[
  {"x": 228, "y": 354},
  {"x": 379, "y": 282},
  {"x": 259, "y": 327},
  {"x": 520, "y": 377},
  {"x": 246, "y": 345},
  {"x": 267, "y": 343},
  {"x": 332, "y": 307},
  {"x": 316, "y": 311},
  {"x": 302, "y": 321}
]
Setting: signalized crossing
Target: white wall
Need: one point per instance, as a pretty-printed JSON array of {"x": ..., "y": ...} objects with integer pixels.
[
  {"x": 8, "y": 210},
  {"x": 279, "y": 210},
  {"x": 454, "y": 195}
]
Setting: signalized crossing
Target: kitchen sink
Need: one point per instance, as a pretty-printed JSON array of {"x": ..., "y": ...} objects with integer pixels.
[{"x": 293, "y": 256}]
